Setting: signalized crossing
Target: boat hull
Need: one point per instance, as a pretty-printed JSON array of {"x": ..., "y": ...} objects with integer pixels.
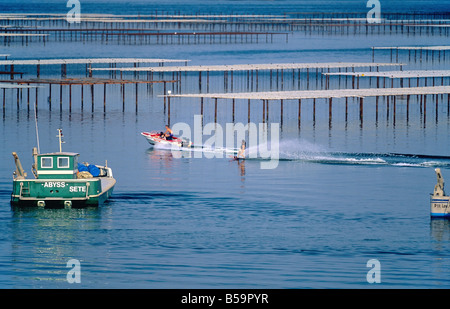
[
  {"x": 154, "y": 138},
  {"x": 62, "y": 193}
]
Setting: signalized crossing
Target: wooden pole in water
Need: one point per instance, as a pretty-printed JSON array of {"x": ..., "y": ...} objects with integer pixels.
[
  {"x": 437, "y": 96},
  {"x": 104, "y": 97},
  {"x": 264, "y": 109},
  {"x": 215, "y": 110},
  {"x": 270, "y": 78},
  {"x": 424, "y": 105},
  {"x": 137, "y": 91},
  {"x": 168, "y": 111},
  {"x": 201, "y": 106},
  {"x": 233, "y": 108},
  {"x": 299, "y": 111},
  {"x": 407, "y": 107},
  {"x": 361, "y": 107},
  {"x": 330, "y": 109},
  {"x": 448, "y": 102},
  {"x": 123, "y": 97},
  {"x": 82, "y": 96},
  {"x": 387, "y": 107},
  {"x": 92, "y": 97},
  {"x": 314, "y": 110},
  {"x": 60, "y": 97},
  {"x": 346, "y": 109},
  {"x": 70, "y": 98},
  {"x": 281, "y": 112},
  {"x": 49, "y": 96},
  {"x": 307, "y": 78},
  {"x": 164, "y": 93},
  {"x": 395, "y": 104},
  {"x": 36, "y": 103},
  {"x": 28, "y": 96},
  {"x": 248, "y": 110}
]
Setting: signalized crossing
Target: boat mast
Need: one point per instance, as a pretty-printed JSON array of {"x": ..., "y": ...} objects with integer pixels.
[
  {"x": 60, "y": 135},
  {"x": 36, "y": 126}
]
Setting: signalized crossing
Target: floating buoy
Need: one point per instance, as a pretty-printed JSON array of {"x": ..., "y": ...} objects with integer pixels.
[{"x": 439, "y": 201}]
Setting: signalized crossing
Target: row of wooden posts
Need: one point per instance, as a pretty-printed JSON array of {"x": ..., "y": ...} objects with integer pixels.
[
  {"x": 391, "y": 104},
  {"x": 50, "y": 98},
  {"x": 390, "y": 100}
]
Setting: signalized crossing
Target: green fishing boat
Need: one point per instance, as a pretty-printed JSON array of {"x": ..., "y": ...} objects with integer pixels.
[{"x": 60, "y": 181}]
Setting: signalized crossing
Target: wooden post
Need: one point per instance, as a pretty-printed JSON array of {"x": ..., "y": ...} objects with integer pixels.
[
  {"x": 424, "y": 104},
  {"x": 281, "y": 112},
  {"x": 123, "y": 97},
  {"x": 164, "y": 93},
  {"x": 28, "y": 96},
  {"x": 407, "y": 107},
  {"x": 307, "y": 78},
  {"x": 387, "y": 107},
  {"x": 215, "y": 110},
  {"x": 437, "y": 96},
  {"x": 346, "y": 109},
  {"x": 330, "y": 108},
  {"x": 70, "y": 98},
  {"x": 168, "y": 111},
  {"x": 104, "y": 97},
  {"x": 361, "y": 108},
  {"x": 137, "y": 91},
  {"x": 264, "y": 109},
  {"x": 248, "y": 110},
  {"x": 92, "y": 96},
  {"x": 448, "y": 102},
  {"x": 60, "y": 97},
  {"x": 299, "y": 111},
  {"x": 233, "y": 108},
  {"x": 395, "y": 104},
  {"x": 36, "y": 103},
  {"x": 314, "y": 110},
  {"x": 201, "y": 106}
]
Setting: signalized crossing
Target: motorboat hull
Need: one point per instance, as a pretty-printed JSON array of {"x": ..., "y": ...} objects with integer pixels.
[{"x": 154, "y": 138}]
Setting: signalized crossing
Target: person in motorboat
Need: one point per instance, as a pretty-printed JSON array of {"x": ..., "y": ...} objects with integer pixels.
[{"x": 168, "y": 135}]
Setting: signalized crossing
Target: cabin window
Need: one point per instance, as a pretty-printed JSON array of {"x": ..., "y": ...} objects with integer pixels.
[
  {"x": 46, "y": 162},
  {"x": 63, "y": 162}
]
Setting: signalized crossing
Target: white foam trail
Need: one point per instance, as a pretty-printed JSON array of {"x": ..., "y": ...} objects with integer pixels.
[{"x": 305, "y": 151}]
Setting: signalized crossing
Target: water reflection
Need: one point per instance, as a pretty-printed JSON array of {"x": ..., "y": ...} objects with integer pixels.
[
  {"x": 440, "y": 231},
  {"x": 162, "y": 156},
  {"x": 43, "y": 240}
]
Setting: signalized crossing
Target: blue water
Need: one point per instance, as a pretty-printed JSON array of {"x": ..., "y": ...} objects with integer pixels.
[{"x": 340, "y": 195}]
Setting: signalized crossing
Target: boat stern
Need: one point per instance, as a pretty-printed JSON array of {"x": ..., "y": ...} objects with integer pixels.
[{"x": 440, "y": 206}]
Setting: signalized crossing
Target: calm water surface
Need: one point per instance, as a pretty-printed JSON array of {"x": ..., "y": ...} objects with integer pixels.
[{"x": 337, "y": 198}]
